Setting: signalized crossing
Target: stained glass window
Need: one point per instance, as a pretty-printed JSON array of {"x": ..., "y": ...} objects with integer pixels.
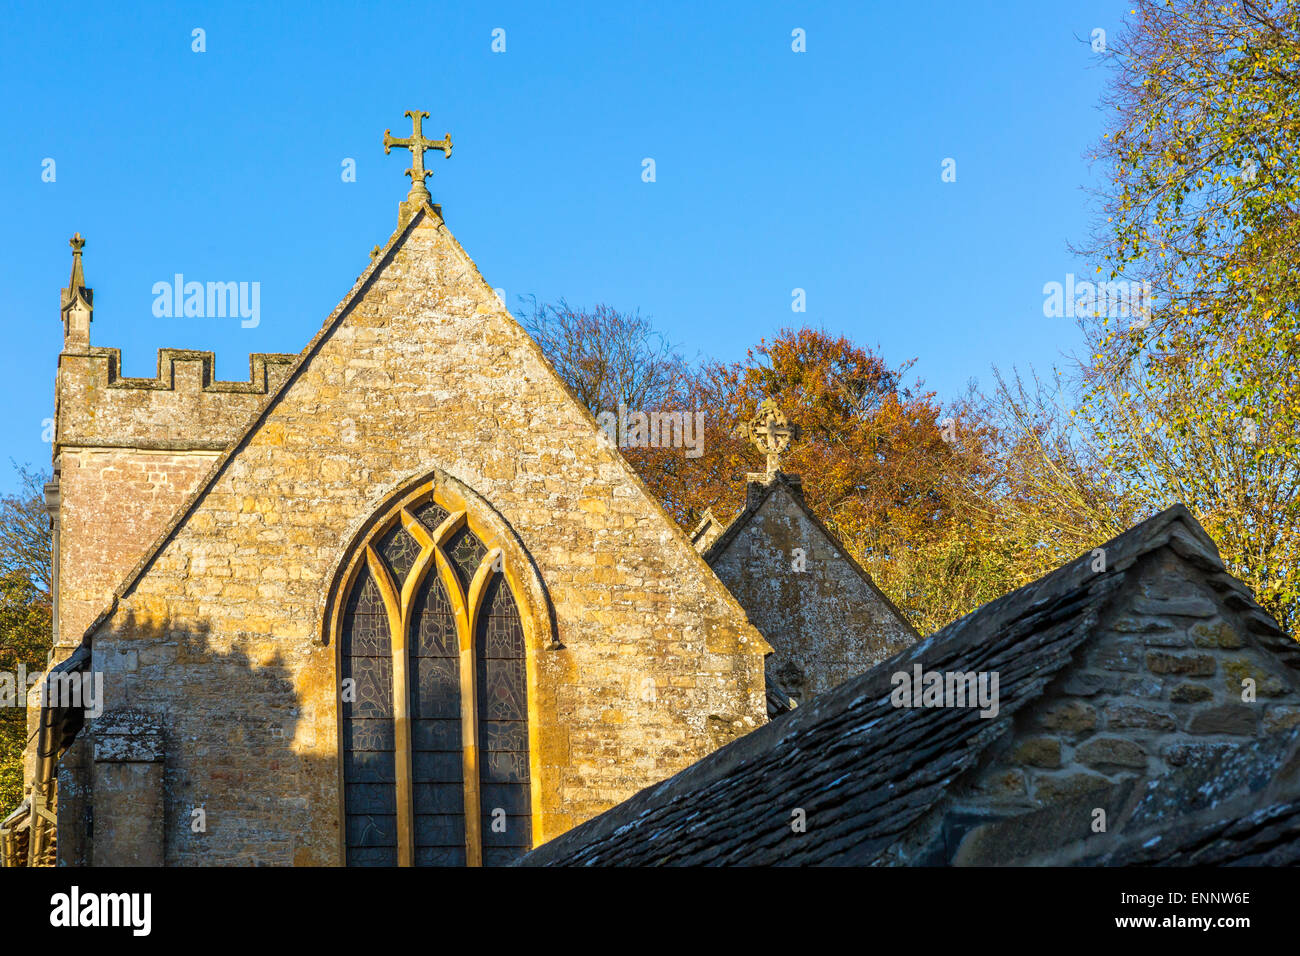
[
  {"x": 431, "y": 514},
  {"x": 503, "y": 728},
  {"x": 399, "y": 551},
  {"x": 437, "y": 771},
  {"x": 434, "y": 833},
  {"x": 370, "y": 802},
  {"x": 465, "y": 552}
]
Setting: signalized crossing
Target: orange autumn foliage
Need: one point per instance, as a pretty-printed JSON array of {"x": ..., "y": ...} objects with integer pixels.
[{"x": 882, "y": 464}]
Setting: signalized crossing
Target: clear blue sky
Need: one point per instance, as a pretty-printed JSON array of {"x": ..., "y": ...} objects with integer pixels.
[{"x": 775, "y": 170}]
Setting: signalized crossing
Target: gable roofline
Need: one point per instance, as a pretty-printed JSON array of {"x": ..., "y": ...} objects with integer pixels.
[
  {"x": 883, "y": 769},
  {"x": 1175, "y": 527},
  {"x": 407, "y": 223},
  {"x": 752, "y": 505},
  {"x": 185, "y": 510},
  {"x": 707, "y": 521}
]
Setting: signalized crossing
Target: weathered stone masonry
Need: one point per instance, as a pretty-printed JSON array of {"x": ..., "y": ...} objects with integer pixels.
[
  {"x": 129, "y": 451},
  {"x": 1156, "y": 695},
  {"x": 823, "y": 615},
  {"x": 651, "y": 663}
]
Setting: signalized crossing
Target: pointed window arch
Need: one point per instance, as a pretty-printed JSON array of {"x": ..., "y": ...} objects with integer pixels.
[{"x": 436, "y": 738}]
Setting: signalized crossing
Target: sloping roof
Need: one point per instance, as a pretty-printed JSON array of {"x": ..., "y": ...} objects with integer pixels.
[
  {"x": 1255, "y": 821},
  {"x": 66, "y": 721},
  {"x": 706, "y": 531},
  {"x": 407, "y": 224},
  {"x": 793, "y": 487},
  {"x": 1240, "y": 836},
  {"x": 864, "y": 771}
]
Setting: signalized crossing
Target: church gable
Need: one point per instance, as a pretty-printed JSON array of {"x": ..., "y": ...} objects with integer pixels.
[
  {"x": 1117, "y": 683},
  {"x": 420, "y": 378},
  {"x": 1157, "y": 716},
  {"x": 819, "y": 609}
]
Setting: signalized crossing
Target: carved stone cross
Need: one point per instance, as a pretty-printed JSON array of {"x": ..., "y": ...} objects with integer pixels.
[
  {"x": 417, "y": 144},
  {"x": 771, "y": 433}
]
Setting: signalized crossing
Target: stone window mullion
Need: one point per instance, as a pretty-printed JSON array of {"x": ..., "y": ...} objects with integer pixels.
[{"x": 426, "y": 634}]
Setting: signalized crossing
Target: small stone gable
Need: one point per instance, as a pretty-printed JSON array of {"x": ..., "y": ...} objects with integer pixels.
[
  {"x": 819, "y": 609},
  {"x": 1120, "y": 690},
  {"x": 1147, "y": 724},
  {"x": 642, "y": 664}
]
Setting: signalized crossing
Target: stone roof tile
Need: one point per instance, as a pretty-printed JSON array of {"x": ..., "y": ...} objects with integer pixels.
[{"x": 863, "y": 771}]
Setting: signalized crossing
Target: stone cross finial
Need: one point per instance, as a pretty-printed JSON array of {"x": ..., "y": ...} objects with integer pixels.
[
  {"x": 417, "y": 144},
  {"x": 77, "y": 281},
  {"x": 771, "y": 433}
]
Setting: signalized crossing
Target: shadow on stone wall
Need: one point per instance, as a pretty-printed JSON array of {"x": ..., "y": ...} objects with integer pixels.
[{"x": 203, "y": 755}]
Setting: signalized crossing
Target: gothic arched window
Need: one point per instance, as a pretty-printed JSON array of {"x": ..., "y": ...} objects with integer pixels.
[{"x": 434, "y": 701}]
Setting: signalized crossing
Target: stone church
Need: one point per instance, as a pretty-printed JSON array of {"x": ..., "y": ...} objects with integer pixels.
[
  {"x": 393, "y": 600},
  {"x": 819, "y": 609},
  {"x": 1147, "y": 713}
]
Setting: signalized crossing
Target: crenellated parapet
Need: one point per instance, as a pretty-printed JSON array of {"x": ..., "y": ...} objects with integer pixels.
[
  {"x": 182, "y": 408},
  {"x": 263, "y": 368},
  {"x": 129, "y": 451}
]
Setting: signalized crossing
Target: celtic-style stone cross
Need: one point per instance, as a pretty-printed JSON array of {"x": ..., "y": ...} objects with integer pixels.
[
  {"x": 417, "y": 144},
  {"x": 771, "y": 433}
]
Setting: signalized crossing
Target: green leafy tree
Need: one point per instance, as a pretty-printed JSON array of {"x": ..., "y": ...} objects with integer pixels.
[
  {"x": 25, "y": 618},
  {"x": 1197, "y": 397}
]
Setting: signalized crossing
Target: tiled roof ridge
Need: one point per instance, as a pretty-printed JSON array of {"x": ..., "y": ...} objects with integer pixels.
[{"x": 1037, "y": 629}]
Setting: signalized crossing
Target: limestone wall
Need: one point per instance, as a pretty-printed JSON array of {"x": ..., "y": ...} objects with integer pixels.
[
  {"x": 421, "y": 369},
  {"x": 130, "y": 451},
  {"x": 1144, "y": 725},
  {"x": 116, "y": 502},
  {"x": 825, "y": 623}
]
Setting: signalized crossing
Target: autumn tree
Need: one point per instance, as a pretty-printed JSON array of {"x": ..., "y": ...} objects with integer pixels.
[
  {"x": 606, "y": 356},
  {"x": 854, "y": 413},
  {"x": 885, "y": 468},
  {"x": 1172, "y": 432},
  {"x": 25, "y": 635},
  {"x": 1197, "y": 397},
  {"x": 1201, "y": 202},
  {"x": 1054, "y": 494}
]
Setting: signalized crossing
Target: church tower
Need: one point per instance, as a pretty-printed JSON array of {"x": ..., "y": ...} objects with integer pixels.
[{"x": 392, "y": 601}]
